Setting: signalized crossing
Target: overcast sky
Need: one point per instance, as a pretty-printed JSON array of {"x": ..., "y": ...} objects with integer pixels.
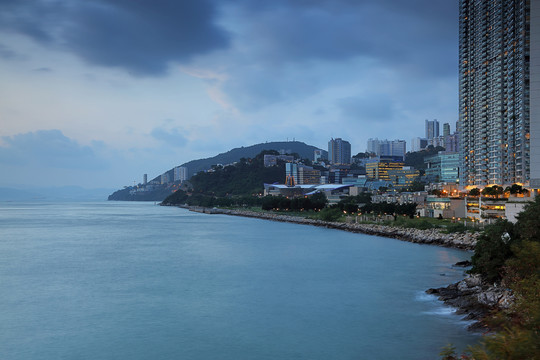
[{"x": 96, "y": 93}]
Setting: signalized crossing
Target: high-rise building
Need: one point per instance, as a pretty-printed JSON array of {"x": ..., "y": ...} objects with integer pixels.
[
  {"x": 145, "y": 179},
  {"x": 432, "y": 129},
  {"x": 534, "y": 95},
  {"x": 418, "y": 144},
  {"x": 339, "y": 151},
  {"x": 446, "y": 129},
  {"x": 165, "y": 178},
  {"x": 180, "y": 173},
  {"x": 320, "y": 155},
  {"x": 498, "y": 49},
  {"x": 387, "y": 148}
]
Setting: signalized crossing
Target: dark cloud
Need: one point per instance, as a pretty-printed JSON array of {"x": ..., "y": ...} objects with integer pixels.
[
  {"x": 50, "y": 148},
  {"x": 137, "y": 35},
  {"x": 287, "y": 51},
  {"x": 422, "y": 32},
  {"x": 375, "y": 107},
  {"x": 171, "y": 137}
]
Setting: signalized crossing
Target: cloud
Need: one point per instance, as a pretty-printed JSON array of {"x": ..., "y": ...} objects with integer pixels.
[
  {"x": 50, "y": 148},
  {"x": 43, "y": 70},
  {"x": 391, "y": 31},
  {"x": 286, "y": 51},
  {"x": 7, "y": 53},
  {"x": 377, "y": 107},
  {"x": 171, "y": 137},
  {"x": 142, "y": 37}
]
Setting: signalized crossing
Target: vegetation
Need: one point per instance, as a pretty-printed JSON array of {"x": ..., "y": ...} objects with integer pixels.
[
  {"x": 390, "y": 209},
  {"x": 516, "y": 189},
  {"x": 510, "y": 254},
  {"x": 329, "y": 214},
  {"x": 474, "y": 192},
  {"x": 234, "y": 155},
  {"x": 494, "y": 190},
  {"x": 493, "y": 249},
  {"x": 157, "y": 194},
  {"x": 315, "y": 202},
  {"x": 243, "y": 178},
  {"x": 416, "y": 159}
]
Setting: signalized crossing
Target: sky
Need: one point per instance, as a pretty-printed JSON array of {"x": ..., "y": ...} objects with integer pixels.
[{"x": 96, "y": 93}]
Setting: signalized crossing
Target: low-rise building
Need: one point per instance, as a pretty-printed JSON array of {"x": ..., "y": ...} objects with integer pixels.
[
  {"x": 443, "y": 167},
  {"x": 404, "y": 177},
  {"x": 377, "y": 168}
]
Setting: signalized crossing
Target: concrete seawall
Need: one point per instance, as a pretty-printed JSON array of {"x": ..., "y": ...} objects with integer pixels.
[{"x": 465, "y": 241}]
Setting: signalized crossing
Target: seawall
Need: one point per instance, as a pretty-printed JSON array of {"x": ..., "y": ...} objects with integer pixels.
[{"x": 464, "y": 241}]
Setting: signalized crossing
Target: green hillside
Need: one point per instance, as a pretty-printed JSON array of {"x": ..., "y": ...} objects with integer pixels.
[{"x": 305, "y": 151}]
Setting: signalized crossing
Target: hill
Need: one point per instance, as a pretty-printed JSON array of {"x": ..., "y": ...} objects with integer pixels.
[
  {"x": 305, "y": 151},
  {"x": 416, "y": 159},
  {"x": 158, "y": 193}
]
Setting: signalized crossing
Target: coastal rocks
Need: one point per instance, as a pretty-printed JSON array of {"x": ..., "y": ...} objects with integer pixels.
[
  {"x": 464, "y": 241},
  {"x": 473, "y": 297},
  {"x": 496, "y": 297}
]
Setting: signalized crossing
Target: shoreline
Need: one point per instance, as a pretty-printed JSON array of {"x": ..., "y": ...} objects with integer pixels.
[
  {"x": 462, "y": 241},
  {"x": 471, "y": 297}
]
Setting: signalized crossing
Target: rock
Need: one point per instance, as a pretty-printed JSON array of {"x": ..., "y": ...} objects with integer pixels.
[
  {"x": 464, "y": 263},
  {"x": 473, "y": 280}
]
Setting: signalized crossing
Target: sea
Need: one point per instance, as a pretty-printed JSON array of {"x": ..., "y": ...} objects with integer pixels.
[{"x": 134, "y": 280}]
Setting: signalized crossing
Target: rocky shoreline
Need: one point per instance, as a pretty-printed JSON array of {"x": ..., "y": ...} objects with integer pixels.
[
  {"x": 463, "y": 241},
  {"x": 473, "y": 298}
]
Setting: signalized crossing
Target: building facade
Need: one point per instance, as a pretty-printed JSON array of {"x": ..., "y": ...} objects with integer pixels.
[
  {"x": 377, "y": 169},
  {"x": 432, "y": 129},
  {"x": 418, "y": 144},
  {"x": 494, "y": 91},
  {"x": 180, "y": 173},
  {"x": 443, "y": 167},
  {"x": 387, "y": 147},
  {"x": 339, "y": 151}
]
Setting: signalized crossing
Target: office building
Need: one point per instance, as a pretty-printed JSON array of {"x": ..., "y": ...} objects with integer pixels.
[
  {"x": 339, "y": 151},
  {"x": 418, "y": 144},
  {"x": 443, "y": 167},
  {"x": 387, "y": 148},
  {"x": 404, "y": 177},
  {"x": 308, "y": 175},
  {"x": 446, "y": 129},
  {"x": 377, "y": 168},
  {"x": 432, "y": 129},
  {"x": 499, "y": 114}
]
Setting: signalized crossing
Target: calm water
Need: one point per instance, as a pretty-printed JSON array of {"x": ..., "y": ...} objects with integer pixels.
[{"x": 137, "y": 281}]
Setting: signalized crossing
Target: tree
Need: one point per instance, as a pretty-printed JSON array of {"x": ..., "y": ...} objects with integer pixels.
[
  {"x": 493, "y": 249},
  {"x": 494, "y": 190},
  {"x": 474, "y": 192},
  {"x": 516, "y": 189},
  {"x": 318, "y": 201},
  {"x": 520, "y": 335},
  {"x": 528, "y": 223}
]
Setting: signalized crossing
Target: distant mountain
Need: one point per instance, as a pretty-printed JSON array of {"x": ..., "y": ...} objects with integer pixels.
[
  {"x": 305, "y": 151},
  {"x": 63, "y": 193}
]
